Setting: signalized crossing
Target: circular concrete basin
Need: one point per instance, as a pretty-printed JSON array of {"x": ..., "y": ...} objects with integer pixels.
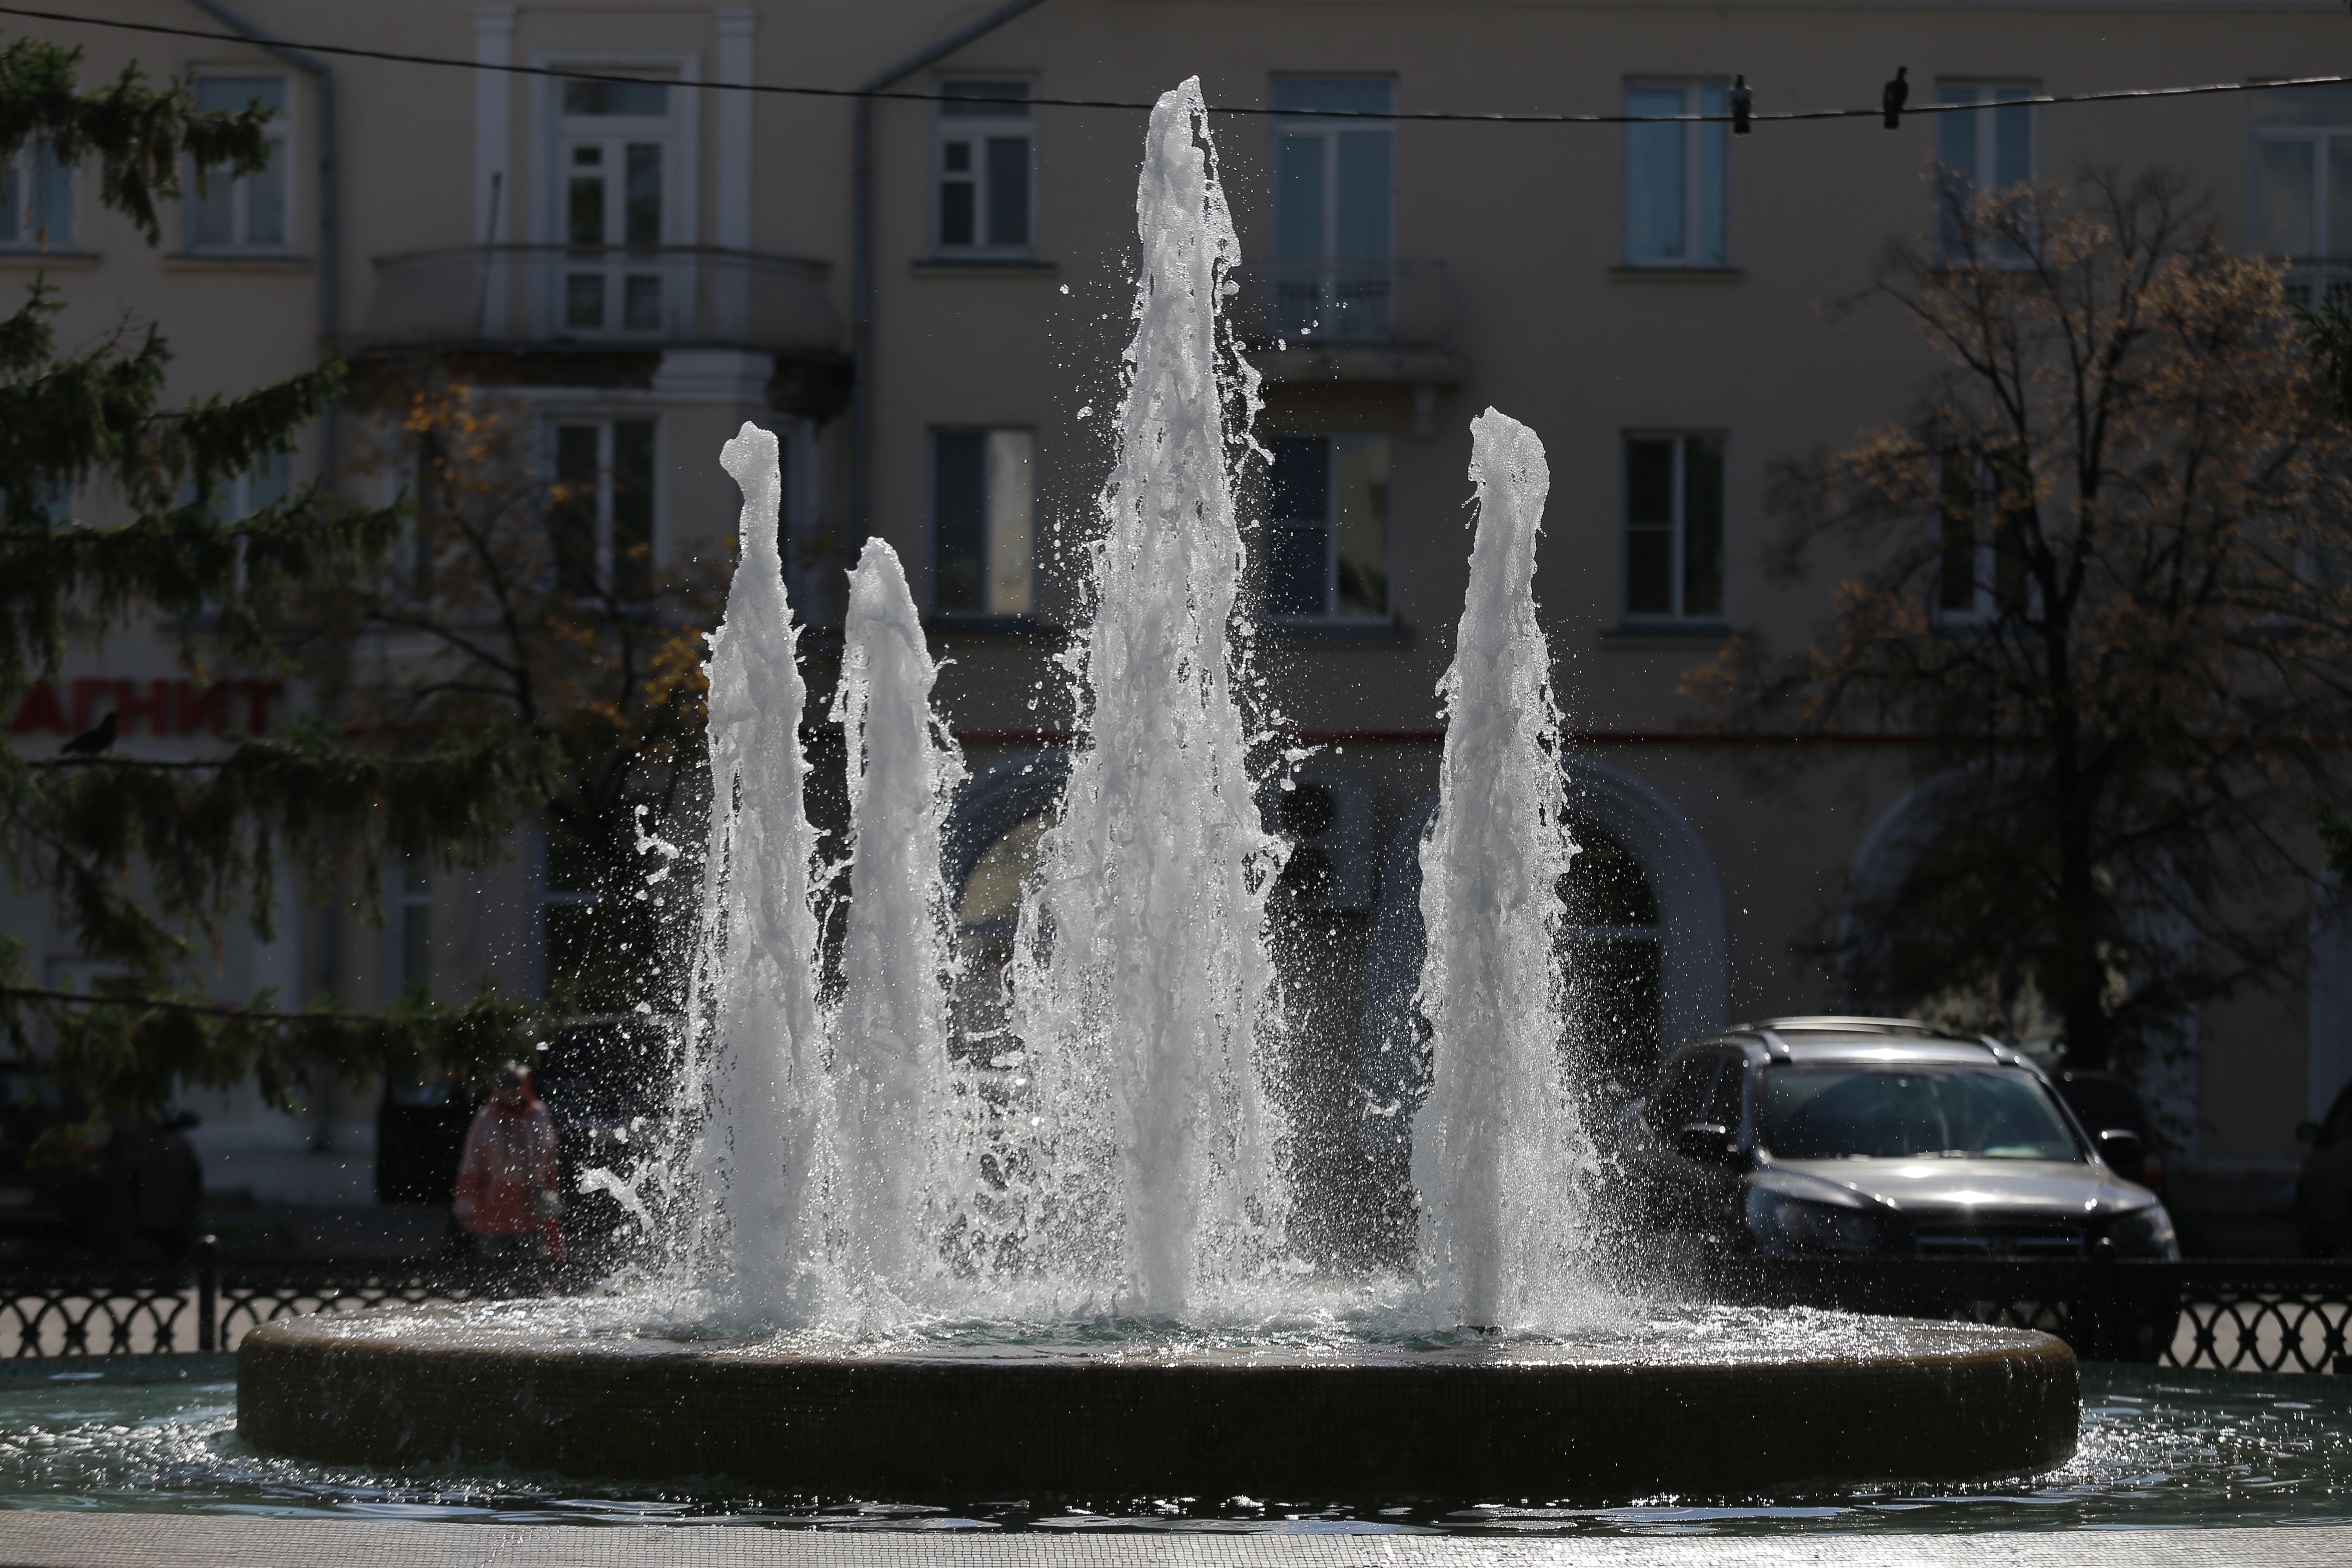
[{"x": 1878, "y": 1399}]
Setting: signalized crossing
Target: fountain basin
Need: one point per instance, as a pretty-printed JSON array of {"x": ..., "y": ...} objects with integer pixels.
[{"x": 1887, "y": 1399}]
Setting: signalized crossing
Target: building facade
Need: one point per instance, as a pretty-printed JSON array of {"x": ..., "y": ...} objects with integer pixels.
[{"x": 925, "y": 297}]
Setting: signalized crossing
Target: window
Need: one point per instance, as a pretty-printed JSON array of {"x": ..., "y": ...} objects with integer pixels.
[
  {"x": 1674, "y": 528},
  {"x": 412, "y": 930},
  {"x": 980, "y": 522},
  {"x": 616, "y": 145},
  {"x": 1984, "y": 504},
  {"x": 985, "y": 142},
  {"x": 1610, "y": 948},
  {"x": 1674, "y": 199},
  {"x": 2302, "y": 183},
  {"x": 1990, "y": 150},
  {"x": 264, "y": 484},
  {"x": 52, "y": 505},
  {"x": 567, "y": 910},
  {"x": 248, "y": 213},
  {"x": 601, "y": 514},
  {"x": 36, "y": 200},
  {"x": 1326, "y": 534},
  {"x": 1333, "y": 212}
]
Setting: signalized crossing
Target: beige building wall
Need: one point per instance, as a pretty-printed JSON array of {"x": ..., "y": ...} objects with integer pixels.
[{"x": 1521, "y": 224}]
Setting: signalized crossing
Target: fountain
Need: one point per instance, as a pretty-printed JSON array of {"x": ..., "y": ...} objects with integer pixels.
[{"x": 850, "y": 1306}]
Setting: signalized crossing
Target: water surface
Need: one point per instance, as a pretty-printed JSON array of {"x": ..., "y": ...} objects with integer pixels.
[{"x": 2157, "y": 1448}]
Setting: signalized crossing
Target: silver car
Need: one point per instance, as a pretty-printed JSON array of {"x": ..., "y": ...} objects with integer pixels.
[{"x": 1826, "y": 1135}]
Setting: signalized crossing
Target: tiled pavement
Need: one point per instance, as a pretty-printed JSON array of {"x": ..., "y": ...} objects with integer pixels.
[{"x": 44, "y": 1540}]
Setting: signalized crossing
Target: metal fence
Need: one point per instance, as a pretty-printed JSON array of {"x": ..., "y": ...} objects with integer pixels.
[
  {"x": 2228, "y": 1314},
  {"x": 209, "y": 1304},
  {"x": 2240, "y": 1315}
]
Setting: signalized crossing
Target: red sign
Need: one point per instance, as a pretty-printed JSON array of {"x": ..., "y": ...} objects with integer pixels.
[{"x": 166, "y": 707}]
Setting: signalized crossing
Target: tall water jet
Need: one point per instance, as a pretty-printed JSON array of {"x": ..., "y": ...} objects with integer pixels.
[
  {"x": 756, "y": 1081},
  {"x": 1143, "y": 964},
  {"x": 891, "y": 1029},
  {"x": 1498, "y": 1144}
]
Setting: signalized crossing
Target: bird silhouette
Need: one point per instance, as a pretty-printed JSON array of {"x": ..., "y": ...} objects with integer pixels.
[
  {"x": 91, "y": 742},
  {"x": 1743, "y": 98},
  {"x": 1897, "y": 94}
]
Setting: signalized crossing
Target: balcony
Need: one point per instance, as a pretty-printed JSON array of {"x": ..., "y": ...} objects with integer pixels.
[
  {"x": 1310, "y": 321},
  {"x": 2311, "y": 284},
  {"x": 611, "y": 298}
]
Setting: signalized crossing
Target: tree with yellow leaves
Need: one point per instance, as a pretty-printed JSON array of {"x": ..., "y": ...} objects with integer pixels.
[
  {"x": 509, "y": 609},
  {"x": 2098, "y": 577}
]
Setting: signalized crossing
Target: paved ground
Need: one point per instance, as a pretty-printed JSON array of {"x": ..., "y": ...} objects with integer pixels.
[{"x": 181, "y": 1540}]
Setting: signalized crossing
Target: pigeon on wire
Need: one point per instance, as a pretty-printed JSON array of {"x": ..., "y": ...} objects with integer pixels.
[
  {"x": 1743, "y": 100},
  {"x": 1897, "y": 92},
  {"x": 91, "y": 742}
]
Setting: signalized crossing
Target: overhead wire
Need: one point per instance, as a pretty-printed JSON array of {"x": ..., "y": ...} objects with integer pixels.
[{"x": 562, "y": 73}]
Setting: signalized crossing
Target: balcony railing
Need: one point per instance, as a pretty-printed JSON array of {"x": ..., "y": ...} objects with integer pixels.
[
  {"x": 2312, "y": 284},
  {"x": 612, "y": 296},
  {"x": 1306, "y": 303}
]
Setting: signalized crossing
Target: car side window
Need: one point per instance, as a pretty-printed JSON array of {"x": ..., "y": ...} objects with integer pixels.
[
  {"x": 1682, "y": 1090},
  {"x": 1723, "y": 1107}
]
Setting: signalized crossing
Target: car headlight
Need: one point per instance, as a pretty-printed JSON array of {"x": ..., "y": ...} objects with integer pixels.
[
  {"x": 2144, "y": 1233},
  {"x": 1788, "y": 1226}
]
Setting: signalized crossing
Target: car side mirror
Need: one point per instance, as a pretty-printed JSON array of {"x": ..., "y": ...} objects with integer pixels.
[
  {"x": 185, "y": 1119},
  {"x": 1704, "y": 1144},
  {"x": 2120, "y": 1147},
  {"x": 2306, "y": 1132}
]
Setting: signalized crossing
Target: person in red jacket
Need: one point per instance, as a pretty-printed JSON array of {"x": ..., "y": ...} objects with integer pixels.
[{"x": 508, "y": 1197}]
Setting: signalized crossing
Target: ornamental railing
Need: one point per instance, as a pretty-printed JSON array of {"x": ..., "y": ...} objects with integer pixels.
[
  {"x": 94, "y": 1309},
  {"x": 1346, "y": 303},
  {"x": 2237, "y": 1315},
  {"x": 601, "y": 297},
  {"x": 2227, "y": 1314}
]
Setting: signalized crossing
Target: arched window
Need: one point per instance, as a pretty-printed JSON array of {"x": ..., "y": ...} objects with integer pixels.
[
  {"x": 1611, "y": 959},
  {"x": 988, "y": 916}
]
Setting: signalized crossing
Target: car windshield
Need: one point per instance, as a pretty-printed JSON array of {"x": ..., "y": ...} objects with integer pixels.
[{"x": 1898, "y": 1113}]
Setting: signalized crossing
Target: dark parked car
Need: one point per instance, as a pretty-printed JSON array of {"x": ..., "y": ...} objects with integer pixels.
[
  {"x": 1825, "y": 1135},
  {"x": 98, "y": 1182},
  {"x": 2101, "y": 1100},
  {"x": 2323, "y": 1193}
]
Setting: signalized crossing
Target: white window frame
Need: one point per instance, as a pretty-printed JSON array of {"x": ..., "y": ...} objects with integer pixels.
[
  {"x": 544, "y": 898},
  {"x": 27, "y": 169},
  {"x": 1677, "y": 531},
  {"x": 604, "y": 420},
  {"x": 282, "y": 131},
  {"x": 1984, "y": 605},
  {"x": 1347, "y": 298},
  {"x": 976, "y": 130},
  {"x": 2318, "y": 273},
  {"x": 412, "y": 911},
  {"x": 1984, "y": 123},
  {"x": 2318, "y": 137},
  {"x": 271, "y": 478},
  {"x": 1001, "y": 548},
  {"x": 1331, "y": 615},
  {"x": 1695, "y": 93},
  {"x": 680, "y": 133}
]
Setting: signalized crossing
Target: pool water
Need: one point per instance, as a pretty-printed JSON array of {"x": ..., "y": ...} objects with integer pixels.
[{"x": 2157, "y": 1448}]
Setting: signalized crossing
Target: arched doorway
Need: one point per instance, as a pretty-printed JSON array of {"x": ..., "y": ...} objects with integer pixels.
[
  {"x": 1611, "y": 949},
  {"x": 1642, "y": 931},
  {"x": 992, "y": 850}
]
